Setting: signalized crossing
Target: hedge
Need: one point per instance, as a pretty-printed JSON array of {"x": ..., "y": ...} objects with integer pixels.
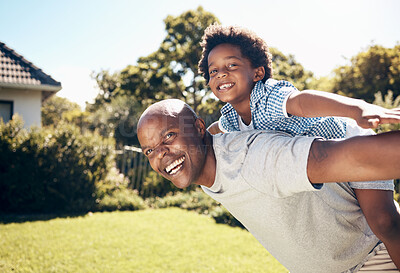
[{"x": 54, "y": 169}]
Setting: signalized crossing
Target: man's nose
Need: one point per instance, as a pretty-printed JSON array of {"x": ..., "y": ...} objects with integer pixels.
[{"x": 161, "y": 151}]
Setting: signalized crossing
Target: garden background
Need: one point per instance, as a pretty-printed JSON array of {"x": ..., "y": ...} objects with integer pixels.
[{"x": 62, "y": 185}]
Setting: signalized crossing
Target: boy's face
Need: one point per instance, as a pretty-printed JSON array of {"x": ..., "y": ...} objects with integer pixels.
[
  {"x": 232, "y": 76},
  {"x": 174, "y": 147}
]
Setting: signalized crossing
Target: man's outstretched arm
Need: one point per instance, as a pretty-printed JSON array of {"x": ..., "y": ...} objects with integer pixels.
[{"x": 361, "y": 158}]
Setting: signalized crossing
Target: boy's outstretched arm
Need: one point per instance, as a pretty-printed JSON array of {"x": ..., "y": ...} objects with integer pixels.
[
  {"x": 312, "y": 103},
  {"x": 360, "y": 158}
]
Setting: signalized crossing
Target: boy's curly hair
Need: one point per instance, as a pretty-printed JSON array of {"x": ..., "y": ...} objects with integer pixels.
[{"x": 251, "y": 46}]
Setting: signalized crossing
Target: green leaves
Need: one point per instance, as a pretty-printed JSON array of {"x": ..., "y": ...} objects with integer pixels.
[
  {"x": 169, "y": 72},
  {"x": 54, "y": 108},
  {"x": 51, "y": 169},
  {"x": 376, "y": 69},
  {"x": 288, "y": 69}
]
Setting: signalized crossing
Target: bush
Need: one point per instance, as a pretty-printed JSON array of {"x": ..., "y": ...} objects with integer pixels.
[
  {"x": 53, "y": 169},
  {"x": 223, "y": 216},
  {"x": 121, "y": 199},
  {"x": 194, "y": 200},
  {"x": 113, "y": 194},
  {"x": 197, "y": 201},
  {"x": 156, "y": 185}
]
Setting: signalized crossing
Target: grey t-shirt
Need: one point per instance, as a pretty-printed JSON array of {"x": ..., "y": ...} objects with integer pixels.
[{"x": 261, "y": 179}]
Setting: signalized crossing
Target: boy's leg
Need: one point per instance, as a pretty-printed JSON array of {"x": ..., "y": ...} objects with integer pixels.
[{"x": 383, "y": 217}]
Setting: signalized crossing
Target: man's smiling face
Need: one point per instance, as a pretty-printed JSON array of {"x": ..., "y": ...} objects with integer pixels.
[{"x": 174, "y": 146}]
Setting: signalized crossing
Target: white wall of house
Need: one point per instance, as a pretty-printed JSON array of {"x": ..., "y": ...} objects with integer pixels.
[{"x": 27, "y": 103}]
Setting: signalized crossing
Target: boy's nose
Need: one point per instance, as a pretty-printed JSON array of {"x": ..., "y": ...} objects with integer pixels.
[{"x": 222, "y": 74}]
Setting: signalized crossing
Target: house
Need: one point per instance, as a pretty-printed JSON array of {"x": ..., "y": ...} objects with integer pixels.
[{"x": 23, "y": 87}]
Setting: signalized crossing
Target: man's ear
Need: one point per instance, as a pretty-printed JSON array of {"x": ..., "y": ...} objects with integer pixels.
[
  {"x": 259, "y": 74},
  {"x": 200, "y": 126}
]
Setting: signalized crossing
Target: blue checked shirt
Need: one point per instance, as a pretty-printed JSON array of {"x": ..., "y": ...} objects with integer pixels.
[{"x": 267, "y": 112}]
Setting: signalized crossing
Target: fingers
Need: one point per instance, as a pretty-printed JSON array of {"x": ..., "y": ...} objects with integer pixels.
[
  {"x": 373, "y": 123},
  {"x": 368, "y": 123},
  {"x": 395, "y": 111},
  {"x": 375, "y": 115},
  {"x": 389, "y": 119}
]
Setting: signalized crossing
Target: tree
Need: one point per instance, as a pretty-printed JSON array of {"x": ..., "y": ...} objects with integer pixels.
[
  {"x": 325, "y": 83},
  {"x": 54, "y": 108},
  {"x": 174, "y": 64},
  {"x": 118, "y": 119},
  {"x": 376, "y": 69},
  {"x": 170, "y": 72},
  {"x": 108, "y": 85},
  {"x": 288, "y": 69},
  {"x": 389, "y": 102}
]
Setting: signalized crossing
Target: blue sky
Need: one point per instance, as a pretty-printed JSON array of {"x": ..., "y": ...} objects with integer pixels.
[{"x": 70, "y": 39}]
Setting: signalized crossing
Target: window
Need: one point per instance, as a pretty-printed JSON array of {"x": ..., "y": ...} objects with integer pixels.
[{"x": 6, "y": 110}]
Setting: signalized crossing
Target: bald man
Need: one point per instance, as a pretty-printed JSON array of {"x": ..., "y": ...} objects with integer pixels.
[{"x": 273, "y": 184}]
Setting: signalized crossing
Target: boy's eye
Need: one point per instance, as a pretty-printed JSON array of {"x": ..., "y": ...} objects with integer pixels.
[
  {"x": 232, "y": 65},
  {"x": 213, "y": 71}
]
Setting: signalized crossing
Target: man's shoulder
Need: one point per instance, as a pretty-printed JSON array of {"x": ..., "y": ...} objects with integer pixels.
[{"x": 240, "y": 140}]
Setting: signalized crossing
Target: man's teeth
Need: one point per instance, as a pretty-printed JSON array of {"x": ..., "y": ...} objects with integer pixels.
[
  {"x": 226, "y": 85},
  {"x": 171, "y": 168}
]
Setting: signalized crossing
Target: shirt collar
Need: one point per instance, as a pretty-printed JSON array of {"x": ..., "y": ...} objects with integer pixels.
[
  {"x": 257, "y": 93},
  {"x": 226, "y": 108}
]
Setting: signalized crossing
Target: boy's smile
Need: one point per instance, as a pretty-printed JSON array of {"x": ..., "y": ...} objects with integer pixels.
[
  {"x": 232, "y": 76},
  {"x": 225, "y": 86}
]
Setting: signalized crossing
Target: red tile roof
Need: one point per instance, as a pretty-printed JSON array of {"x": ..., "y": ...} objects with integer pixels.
[{"x": 15, "y": 69}]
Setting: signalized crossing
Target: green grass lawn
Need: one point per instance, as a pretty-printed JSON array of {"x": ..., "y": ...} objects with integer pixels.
[{"x": 164, "y": 240}]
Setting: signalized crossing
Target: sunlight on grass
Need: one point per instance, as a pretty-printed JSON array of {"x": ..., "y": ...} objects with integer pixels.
[{"x": 164, "y": 240}]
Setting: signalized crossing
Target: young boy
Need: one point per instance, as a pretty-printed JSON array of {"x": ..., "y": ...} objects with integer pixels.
[{"x": 236, "y": 64}]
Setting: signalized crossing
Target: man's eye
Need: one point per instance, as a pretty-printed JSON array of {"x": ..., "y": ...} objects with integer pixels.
[
  {"x": 148, "y": 152},
  {"x": 169, "y": 135}
]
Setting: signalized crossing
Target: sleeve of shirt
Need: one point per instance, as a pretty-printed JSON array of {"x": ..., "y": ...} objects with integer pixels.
[
  {"x": 276, "y": 164},
  {"x": 277, "y": 98},
  {"x": 221, "y": 122}
]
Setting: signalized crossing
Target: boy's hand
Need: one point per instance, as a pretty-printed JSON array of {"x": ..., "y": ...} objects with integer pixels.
[{"x": 372, "y": 115}]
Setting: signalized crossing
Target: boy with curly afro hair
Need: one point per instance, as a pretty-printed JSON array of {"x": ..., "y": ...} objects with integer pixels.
[
  {"x": 237, "y": 66},
  {"x": 251, "y": 46}
]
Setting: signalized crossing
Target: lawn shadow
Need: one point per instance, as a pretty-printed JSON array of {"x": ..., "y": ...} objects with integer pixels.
[{"x": 22, "y": 218}]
